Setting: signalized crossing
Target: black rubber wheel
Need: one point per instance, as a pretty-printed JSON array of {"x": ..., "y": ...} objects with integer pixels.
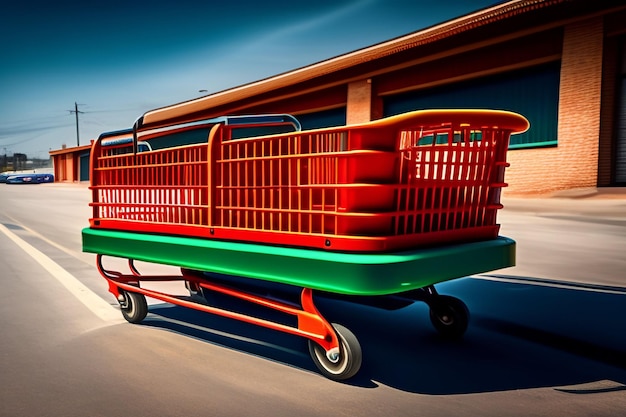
[
  {"x": 449, "y": 316},
  {"x": 348, "y": 361},
  {"x": 134, "y": 307}
]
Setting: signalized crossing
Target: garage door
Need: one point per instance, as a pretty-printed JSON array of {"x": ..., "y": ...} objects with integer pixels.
[{"x": 620, "y": 145}]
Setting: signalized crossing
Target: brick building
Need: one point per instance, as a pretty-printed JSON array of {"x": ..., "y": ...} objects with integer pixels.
[{"x": 561, "y": 63}]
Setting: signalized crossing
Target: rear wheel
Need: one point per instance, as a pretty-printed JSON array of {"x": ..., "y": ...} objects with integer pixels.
[
  {"x": 346, "y": 363},
  {"x": 134, "y": 306},
  {"x": 449, "y": 316}
]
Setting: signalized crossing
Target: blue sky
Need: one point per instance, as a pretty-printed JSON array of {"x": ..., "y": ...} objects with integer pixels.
[{"x": 118, "y": 59}]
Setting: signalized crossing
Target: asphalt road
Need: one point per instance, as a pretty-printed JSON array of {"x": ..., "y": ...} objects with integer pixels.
[
  {"x": 547, "y": 337},
  {"x": 568, "y": 239}
]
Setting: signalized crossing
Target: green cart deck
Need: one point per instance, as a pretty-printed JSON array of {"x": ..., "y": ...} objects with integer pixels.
[{"x": 342, "y": 273}]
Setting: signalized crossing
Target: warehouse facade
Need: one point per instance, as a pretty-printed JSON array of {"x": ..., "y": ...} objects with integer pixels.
[{"x": 560, "y": 63}]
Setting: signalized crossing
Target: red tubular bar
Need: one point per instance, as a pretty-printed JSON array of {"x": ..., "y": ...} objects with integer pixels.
[{"x": 311, "y": 324}]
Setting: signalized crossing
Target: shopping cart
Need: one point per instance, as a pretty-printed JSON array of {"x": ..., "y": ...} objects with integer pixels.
[{"x": 386, "y": 208}]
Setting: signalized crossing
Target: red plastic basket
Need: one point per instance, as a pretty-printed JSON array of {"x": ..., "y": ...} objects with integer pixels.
[{"x": 419, "y": 179}]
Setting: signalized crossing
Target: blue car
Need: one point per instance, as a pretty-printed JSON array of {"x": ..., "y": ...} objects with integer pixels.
[{"x": 26, "y": 178}]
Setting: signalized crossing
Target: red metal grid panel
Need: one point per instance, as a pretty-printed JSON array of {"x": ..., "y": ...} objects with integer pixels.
[{"x": 401, "y": 183}]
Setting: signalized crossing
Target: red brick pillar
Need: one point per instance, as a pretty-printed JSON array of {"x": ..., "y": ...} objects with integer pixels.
[
  {"x": 579, "y": 104},
  {"x": 359, "y": 108}
]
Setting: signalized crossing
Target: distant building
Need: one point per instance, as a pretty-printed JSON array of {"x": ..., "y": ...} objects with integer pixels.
[
  {"x": 20, "y": 162},
  {"x": 561, "y": 63},
  {"x": 71, "y": 164}
]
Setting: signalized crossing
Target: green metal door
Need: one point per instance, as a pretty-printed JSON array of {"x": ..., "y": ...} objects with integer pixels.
[{"x": 84, "y": 167}]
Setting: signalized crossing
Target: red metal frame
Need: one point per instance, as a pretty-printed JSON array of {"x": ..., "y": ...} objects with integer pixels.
[{"x": 310, "y": 323}]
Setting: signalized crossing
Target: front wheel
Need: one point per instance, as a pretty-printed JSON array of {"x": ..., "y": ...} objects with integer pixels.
[
  {"x": 348, "y": 361},
  {"x": 134, "y": 306},
  {"x": 449, "y": 316}
]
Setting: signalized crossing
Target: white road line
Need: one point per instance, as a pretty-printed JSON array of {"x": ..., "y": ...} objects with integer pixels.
[
  {"x": 48, "y": 241},
  {"x": 91, "y": 300},
  {"x": 552, "y": 284}
]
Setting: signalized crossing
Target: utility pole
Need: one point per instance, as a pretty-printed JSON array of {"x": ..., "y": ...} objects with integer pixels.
[{"x": 76, "y": 111}]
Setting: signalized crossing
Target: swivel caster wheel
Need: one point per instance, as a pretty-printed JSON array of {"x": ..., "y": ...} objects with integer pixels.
[
  {"x": 134, "y": 306},
  {"x": 449, "y": 316},
  {"x": 341, "y": 365}
]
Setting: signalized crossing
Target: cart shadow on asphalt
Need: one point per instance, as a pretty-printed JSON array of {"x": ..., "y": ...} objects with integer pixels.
[{"x": 524, "y": 333}]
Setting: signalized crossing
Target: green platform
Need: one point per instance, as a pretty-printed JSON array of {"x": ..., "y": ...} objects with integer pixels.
[{"x": 343, "y": 273}]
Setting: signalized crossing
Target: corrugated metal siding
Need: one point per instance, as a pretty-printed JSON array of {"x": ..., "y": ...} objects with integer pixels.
[
  {"x": 325, "y": 118},
  {"x": 620, "y": 148},
  {"x": 608, "y": 112},
  {"x": 180, "y": 138},
  {"x": 533, "y": 93}
]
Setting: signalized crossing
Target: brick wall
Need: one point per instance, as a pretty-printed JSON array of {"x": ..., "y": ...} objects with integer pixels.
[{"x": 574, "y": 162}]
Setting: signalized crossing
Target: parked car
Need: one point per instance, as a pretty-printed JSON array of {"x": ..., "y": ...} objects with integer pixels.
[{"x": 26, "y": 178}]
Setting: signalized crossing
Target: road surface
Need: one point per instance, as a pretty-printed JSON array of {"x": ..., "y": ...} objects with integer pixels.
[{"x": 538, "y": 342}]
